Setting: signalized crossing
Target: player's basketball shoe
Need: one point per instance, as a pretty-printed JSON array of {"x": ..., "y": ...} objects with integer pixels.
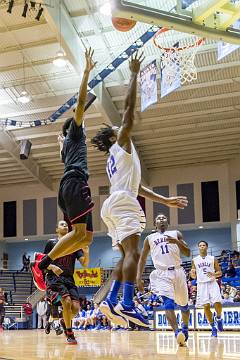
[
  {"x": 38, "y": 256},
  {"x": 214, "y": 331},
  {"x": 180, "y": 337},
  {"x": 71, "y": 338},
  {"x": 38, "y": 277},
  {"x": 219, "y": 324},
  {"x": 131, "y": 314},
  {"x": 107, "y": 308},
  {"x": 185, "y": 331}
]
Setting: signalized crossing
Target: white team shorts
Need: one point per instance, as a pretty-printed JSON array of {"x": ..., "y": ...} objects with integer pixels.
[
  {"x": 208, "y": 293},
  {"x": 123, "y": 216},
  {"x": 170, "y": 283}
]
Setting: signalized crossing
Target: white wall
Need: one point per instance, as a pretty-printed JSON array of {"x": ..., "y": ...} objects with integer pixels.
[{"x": 225, "y": 173}]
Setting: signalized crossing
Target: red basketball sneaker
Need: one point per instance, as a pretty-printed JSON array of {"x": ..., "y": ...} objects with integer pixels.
[
  {"x": 38, "y": 277},
  {"x": 38, "y": 256}
]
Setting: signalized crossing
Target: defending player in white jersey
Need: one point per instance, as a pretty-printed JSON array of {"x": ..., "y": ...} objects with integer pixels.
[
  {"x": 205, "y": 268},
  {"x": 121, "y": 212},
  {"x": 169, "y": 279}
]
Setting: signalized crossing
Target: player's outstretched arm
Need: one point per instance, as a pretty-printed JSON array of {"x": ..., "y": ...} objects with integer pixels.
[
  {"x": 82, "y": 96},
  {"x": 193, "y": 271},
  {"x": 174, "y": 201},
  {"x": 141, "y": 264},
  {"x": 124, "y": 133}
]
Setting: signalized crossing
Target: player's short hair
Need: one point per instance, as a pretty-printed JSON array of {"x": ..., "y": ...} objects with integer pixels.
[
  {"x": 101, "y": 139},
  {"x": 66, "y": 126},
  {"x": 158, "y": 216},
  {"x": 203, "y": 242}
]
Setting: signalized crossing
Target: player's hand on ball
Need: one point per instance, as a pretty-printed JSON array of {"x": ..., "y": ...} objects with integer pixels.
[
  {"x": 140, "y": 285},
  {"x": 177, "y": 201},
  {"x": 135, "y": 62},
  {"x": 57, "y": 271}
]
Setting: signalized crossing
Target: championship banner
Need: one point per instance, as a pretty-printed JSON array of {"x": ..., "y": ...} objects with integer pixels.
[
  {"x": 87, "y": 277},
  {"x": 170, "y": 80},
  {"x": 225, "y": 49},
  {"x": 148, "y": 81}
]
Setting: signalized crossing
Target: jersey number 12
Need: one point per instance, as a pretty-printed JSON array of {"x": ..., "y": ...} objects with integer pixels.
[{"x": 111, "y": 167}]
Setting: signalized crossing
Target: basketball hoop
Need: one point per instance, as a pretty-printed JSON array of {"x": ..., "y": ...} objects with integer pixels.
[{"x": 179, "y": 58}]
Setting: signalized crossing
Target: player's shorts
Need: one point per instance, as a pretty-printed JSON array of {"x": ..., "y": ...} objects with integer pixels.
[
  {"x": 74, "y": 197},
  {"x": 123, "y": 215},
  {"x": 170, "y": 283},
  {"x": 208, "y": 293},
  {"x": 62, "y": 286}
]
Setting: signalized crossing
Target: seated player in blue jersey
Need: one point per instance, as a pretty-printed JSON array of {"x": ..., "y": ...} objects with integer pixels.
[{"x": 122, "y": 212}]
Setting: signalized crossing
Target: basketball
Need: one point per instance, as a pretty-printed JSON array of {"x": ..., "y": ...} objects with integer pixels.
[{"x": 122, "y": 24}]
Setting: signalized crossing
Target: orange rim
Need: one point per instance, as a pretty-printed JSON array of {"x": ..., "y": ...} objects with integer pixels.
[{"x": 173, "y": 49}]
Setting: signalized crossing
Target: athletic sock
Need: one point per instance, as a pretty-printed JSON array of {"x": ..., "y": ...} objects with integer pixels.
[
  {"x": 45, "y": 262},
  {"x": 112, "y": 295},
  {"x": 212, "y": 324},
  {"x": 128, "y": 292}
]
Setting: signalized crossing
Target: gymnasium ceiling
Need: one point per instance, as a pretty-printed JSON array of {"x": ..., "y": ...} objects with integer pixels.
[{"x": 196, "y": 124}]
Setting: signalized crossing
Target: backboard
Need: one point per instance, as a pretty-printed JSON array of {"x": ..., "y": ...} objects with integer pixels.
[{"x": 212, "y": 19}]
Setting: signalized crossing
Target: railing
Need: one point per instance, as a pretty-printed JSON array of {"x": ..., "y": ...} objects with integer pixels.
[{"x": 15, "y": 308}]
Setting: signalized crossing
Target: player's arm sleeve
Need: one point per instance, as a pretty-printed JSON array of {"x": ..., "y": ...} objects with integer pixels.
[
  {"x": 48, "y": 247},
  {"x": 75, "y": 132}
]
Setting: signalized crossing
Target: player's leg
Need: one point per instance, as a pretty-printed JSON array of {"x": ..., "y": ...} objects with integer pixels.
[
  {"x": 181, "y": 298},
  {"x": 216, "y": 299},
  {"x": 127, "y": 307},
  {"x": 67, "y": 316},
  {"x": 204, "y": 299}
]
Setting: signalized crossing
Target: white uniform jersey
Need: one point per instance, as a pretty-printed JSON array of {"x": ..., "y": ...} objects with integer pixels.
[
  {"x": 123, "y": 169},
  {"x": 164, "y": 255},
  {"x": 203, "y": 266}
]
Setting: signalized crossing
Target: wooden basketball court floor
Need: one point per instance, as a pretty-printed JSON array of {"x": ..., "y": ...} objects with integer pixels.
[{"x": 129, "y": 345}]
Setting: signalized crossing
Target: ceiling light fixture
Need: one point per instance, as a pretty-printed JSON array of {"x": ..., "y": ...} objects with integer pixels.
[
  {"x": 25, "y": 9},
  {"x": 39, "y": 14},
  {"x": 10, "y": 6},
  {"x": 60, "y": 60},
  {"x": 200, "y": 227},
  {"x": 106, "y": 9},
  {"x": 24, "y": 97}
]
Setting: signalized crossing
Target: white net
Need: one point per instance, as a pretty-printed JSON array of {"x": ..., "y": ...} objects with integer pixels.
[{"x": 178, "y": 51}]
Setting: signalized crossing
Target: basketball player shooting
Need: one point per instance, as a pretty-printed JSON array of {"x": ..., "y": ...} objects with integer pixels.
[
  {"x": 74, "y": 196},
  {"x": 206, "y": 269},
  {"x": 121, "y": 212},
  {"x": 169, "y": 279}
]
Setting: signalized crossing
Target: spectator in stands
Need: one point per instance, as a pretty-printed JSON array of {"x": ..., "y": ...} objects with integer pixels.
[
  {"x": 236, "y": 259},
  {"x": 231, "y": 291},
  {"x": 231, "y": 271},
  {"x": 42, "y": 307},
  {"x": 227, "y": 298},
  {"x": 237, "y": 296},
  {"x": 25, "y": 262},
  {"x": 193, "y": 295},
  {"x": 222, "y": 289},
  {"x": 2, "y": 309}
]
